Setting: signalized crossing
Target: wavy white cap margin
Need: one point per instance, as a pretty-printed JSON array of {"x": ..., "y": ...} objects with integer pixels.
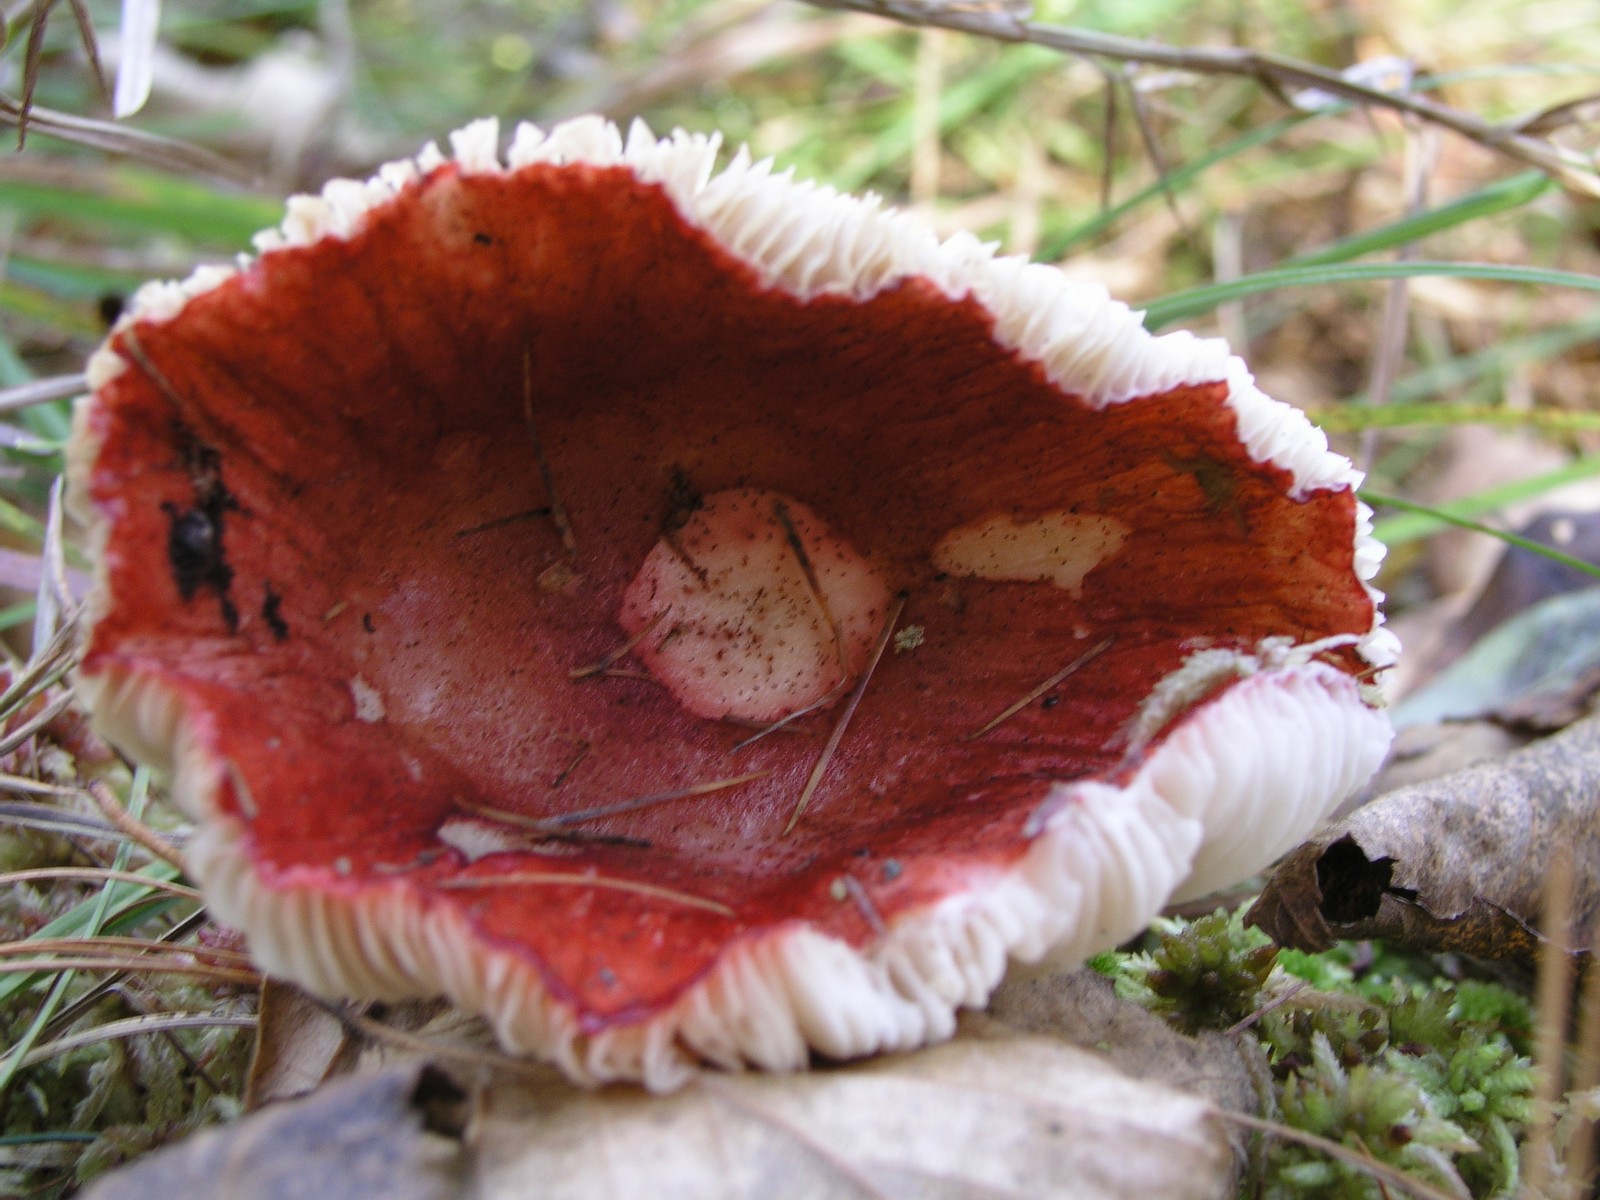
[{"x": 1273, "y": 754}]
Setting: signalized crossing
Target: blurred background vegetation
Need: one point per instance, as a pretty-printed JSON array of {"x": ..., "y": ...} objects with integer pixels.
[{"x": 1272, "y": 216}]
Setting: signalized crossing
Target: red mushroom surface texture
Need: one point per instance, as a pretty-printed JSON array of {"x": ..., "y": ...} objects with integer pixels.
[{"x": 694, "y": 617}]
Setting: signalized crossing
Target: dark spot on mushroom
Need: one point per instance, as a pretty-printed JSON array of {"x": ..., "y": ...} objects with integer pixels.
[
  {"x": 483, "y": 239},
  {"x": 1217, "y": 483},
  {"x": 194, "y": 552},
  {"x": 1050, "y": 701},
  {"x": 366, "y": 623},
  {"x": 682, "y": 501},
  {"x": 271, "y": 606},
  {"x": 110, "y": 306}
]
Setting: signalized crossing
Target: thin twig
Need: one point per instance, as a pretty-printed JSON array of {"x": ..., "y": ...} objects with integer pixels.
[
  {"x": 501, "y": 522},
  {"x": 575, "y": 879},
  {"x": 1275, "y": 72},
  {"x": 96, "y": 875},
  {"x": 130, "y": 1027},
  {"x": 1278, "y": 1001},
  {"x": 1585, "y": 1070},
  {"x": 780, "y": 511},
  {"x": 71, "y": 1011},
  {"x": 31, "y": 57},
  {"x": 572, "y": 764},
  {"x": 144, "y": 964},
  {"x": 377, "y": 1031},
  {"x": 135, "y": 830},
  {"x": 602, "y": 665},
  {"x": 638, "y": 802},
  {"x": 1552, "y": 1003},
  {"x": 558, "y": 511},
  {"x": 91, "y": 48},
  {"x": 1091, "y": 653},
  {"x": 218, "y": 955},
  {"x": 1422, "y": 148},
  {"x": 110, "y": 138},
  {"x": 869, "y": 910},
  {"x": 1380, "y": 1171},
  {"x": 845, "y": 714},
  {"x": 42, "y": 391}
]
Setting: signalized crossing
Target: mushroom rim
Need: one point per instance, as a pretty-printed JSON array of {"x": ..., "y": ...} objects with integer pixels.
[{"x": 773, "y": 998}]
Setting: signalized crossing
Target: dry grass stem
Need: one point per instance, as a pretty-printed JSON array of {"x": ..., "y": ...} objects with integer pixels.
[
  {"x": 42, "y": 391},
  {"x": 1586, "y": 1068},
  {"x": 1083, "y": 659},
  {"x": 1385, "y": 1175},
  {"x": 96, "y": 875},
  {"x": 376, "y": 1031},
  {"x": 220, "y": 955},
  {"x": 133, "y": 828},
  {"x": 627, "y": 806},
  {"x": 167, "y": 153},
  {"x": 602, "y": 665},
  {"x": 143, "y": 964},
  {"x": 558, "y": 511},
  {"x": 1552, "y": 1002},
  {"x": 530, "y": 514},
  {"x": 575, "y": 879},
  {"x": 24, "y": 732},
  {"x": 869, "y": 910},
  {"x": 780, "y": 511},
  {"x": 132, "y": 1027},
  {"x": 845, "y": 714}
]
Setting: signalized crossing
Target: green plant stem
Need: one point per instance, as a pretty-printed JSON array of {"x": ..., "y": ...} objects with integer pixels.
[
  {"x": 1194, "y": 302},
  {"x": 1515, "y": 539}
]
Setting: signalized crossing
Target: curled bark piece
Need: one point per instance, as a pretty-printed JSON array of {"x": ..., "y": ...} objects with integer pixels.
[{"x": 1456, "y": 864}]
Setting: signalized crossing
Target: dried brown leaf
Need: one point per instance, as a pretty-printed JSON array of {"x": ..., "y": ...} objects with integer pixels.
[
  {"x": 1455, "y": 864},
  {"x": 299, "y": 1046},
  {"x": 1082, "y": 1007},
  {"x": 1015, "y": 1117},
  {"x": 395, "y": 1134}
]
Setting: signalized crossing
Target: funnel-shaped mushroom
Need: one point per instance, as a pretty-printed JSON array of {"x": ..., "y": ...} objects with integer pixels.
[{"x": 696, "y": 617}]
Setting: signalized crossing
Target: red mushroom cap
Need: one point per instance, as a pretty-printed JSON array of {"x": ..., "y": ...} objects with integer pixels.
[{"x": 701, "y": 618}]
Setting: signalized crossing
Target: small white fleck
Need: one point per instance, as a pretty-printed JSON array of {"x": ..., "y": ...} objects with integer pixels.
[
  {"x": 908, "y": 638},
  {"x": 369, "y": 704}
]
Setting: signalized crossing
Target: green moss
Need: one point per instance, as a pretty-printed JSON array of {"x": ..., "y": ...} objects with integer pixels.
[{"x": 1424, "y": 1074}]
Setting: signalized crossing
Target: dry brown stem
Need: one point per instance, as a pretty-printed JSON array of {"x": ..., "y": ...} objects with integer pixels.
[{"x": 1277, "y": 73}]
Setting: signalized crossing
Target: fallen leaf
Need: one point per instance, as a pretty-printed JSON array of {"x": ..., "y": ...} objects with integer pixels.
[
  {"x": 299, "y": 1045},
  {"x": 1424, "y": 752},
  {"x": 1014, "y": 1117},
  {"x": 1456, "y": 864},
  {"x": 1538, "y": 669},
  {"x": 393, "y": 1135},
  {"x": 1082, "y": 1007}
]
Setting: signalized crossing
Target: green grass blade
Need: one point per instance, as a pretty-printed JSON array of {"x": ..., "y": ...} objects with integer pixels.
[
  {"x": 1054, "y": 247},
  {"x": 1194, "y": 302},
  {"x": 1498, "y": 197},
  {"x": 1419, "y": 523},
  {"x": 138, "y": 793},
  {"x": 1514, "y": 539},
  {"x": 1539, "y": 346},
  {"x": 1348, "y": 418},
  {"x": 959, "y": 102},
  {"x": 148, "y": 202}
]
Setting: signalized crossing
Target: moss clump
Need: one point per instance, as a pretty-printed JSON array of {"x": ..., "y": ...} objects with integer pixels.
[
  {"x": 1424, "y": 1074},
  {"x": 1200, "y": 975}
]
